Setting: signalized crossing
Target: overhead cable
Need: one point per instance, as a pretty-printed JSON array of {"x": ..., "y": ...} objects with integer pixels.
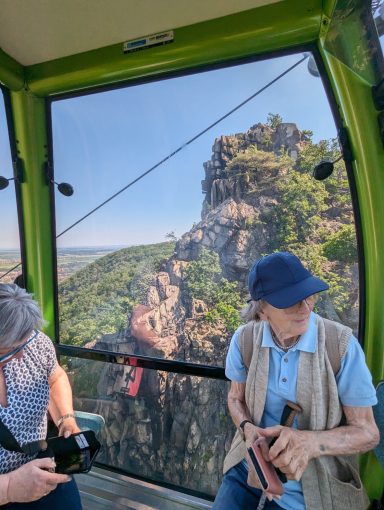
[{"x": 183, "y": 146}]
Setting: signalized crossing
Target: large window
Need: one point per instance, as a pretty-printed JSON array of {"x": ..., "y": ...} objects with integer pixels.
[
  {"x": 10, "y": 266},
  {"x": 175, "y": 246},
  {"x": 160, "y": 269}
]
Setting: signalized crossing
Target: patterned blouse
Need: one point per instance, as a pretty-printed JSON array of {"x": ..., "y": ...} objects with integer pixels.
[{"x": 27, "y": 386}]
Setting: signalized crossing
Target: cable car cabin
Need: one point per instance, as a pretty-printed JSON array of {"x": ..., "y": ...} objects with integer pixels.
[{"x": 149, "y": 154}]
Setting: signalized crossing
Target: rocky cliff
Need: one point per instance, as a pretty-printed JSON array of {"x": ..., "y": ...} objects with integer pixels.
[{"x": 177, "y": 429}]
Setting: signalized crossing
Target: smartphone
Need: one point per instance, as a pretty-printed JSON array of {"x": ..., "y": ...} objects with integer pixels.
[
  {"x": 76, "y": 453},
  {"x": 265, "y": 471}
]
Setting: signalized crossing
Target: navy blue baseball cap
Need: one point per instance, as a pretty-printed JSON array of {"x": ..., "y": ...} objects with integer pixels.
[{"x": 281, "y": 280}]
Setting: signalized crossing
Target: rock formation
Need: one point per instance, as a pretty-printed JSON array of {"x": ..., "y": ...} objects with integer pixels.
[{"x": 177, "y": 429}]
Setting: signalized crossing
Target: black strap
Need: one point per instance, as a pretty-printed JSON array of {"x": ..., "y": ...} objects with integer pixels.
[{"x": 8, "y": 441}]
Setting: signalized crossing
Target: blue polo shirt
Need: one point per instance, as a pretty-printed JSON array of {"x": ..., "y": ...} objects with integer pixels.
[{"x": 354, "y": 383}]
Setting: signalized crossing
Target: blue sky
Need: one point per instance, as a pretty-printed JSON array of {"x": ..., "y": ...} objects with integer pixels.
[{"x": 103, "y": 141}]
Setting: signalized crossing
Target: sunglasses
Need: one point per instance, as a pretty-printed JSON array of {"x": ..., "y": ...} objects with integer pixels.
[
  {"x": 310, "y": 302},
  {"x": 12, "y": 353}
]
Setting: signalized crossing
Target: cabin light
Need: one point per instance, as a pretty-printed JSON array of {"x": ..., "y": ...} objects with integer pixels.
[
  {"x": 324, "y": 169},
  {"x": 65, "y": 188},
  {"x": 4, "y": 182}
]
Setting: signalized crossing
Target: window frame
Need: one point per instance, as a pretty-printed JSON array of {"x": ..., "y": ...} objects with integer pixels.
[{"x": 14, "y": 156}]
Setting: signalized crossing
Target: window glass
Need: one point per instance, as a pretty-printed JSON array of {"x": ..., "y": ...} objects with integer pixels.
[
  {"x": 162, "y": 267},
  {"x": 352, "y": 37},
  {"x": 10, "y": 266},
  {"x": 167, "y": 427},
  {"x": 378, "y": 16}
]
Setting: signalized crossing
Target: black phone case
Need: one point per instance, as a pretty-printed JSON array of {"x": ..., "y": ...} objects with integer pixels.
[{"x": 74, "y": 454}]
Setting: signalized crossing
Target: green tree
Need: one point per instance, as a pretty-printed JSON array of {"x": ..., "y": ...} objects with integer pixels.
[
  {"x": 257, "y": 166},
  {"x": 274, "y": 120},
  {"x": 313, "y": 153},
  {"x": 201, "y": 276},
  {"x": 204, "y": 280},
  {"x": 341, "y": 245},
  {"x": 302, "y": 200},
  {"x": 170, "y": 236}
]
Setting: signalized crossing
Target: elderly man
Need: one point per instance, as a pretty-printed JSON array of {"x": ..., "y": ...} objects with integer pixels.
[{"x": 286, "y": 352}]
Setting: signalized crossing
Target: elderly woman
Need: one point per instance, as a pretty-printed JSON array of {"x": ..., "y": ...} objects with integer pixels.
[
  {"x": 286, "y": 353},
  {"x": 31, "y": 383}
]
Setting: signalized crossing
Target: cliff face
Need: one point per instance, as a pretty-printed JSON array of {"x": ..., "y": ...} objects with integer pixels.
[
  {"x": 217, "y": 184},
  {"x": 177, "y": 429}
]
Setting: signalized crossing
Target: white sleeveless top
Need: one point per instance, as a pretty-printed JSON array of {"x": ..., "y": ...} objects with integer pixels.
[{"x": 27, "y": 386}]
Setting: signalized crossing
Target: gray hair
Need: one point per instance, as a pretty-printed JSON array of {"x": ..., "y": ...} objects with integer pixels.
[
  {"x": 251, "y": 311},
  {"x": 19, "y": 315}
]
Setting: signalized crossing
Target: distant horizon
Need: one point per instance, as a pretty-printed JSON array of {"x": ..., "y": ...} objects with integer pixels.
[
  {"x": 90, "y": 246},
  {"x": 104, "y": 141}
]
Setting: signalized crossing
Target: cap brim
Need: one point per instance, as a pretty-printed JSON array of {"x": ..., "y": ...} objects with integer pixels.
[{"x": 296, "y": 292}]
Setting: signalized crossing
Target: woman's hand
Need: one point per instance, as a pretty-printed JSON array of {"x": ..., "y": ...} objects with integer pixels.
[
  {"x": 68, "y": 427},
  {"x": 33, "y": 481},
  {"x": 251, "y": 433},
  {"x": 292, "y": 450}
]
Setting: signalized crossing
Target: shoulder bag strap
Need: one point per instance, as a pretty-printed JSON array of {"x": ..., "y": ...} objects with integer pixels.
[
  {"x": 332, "y": 344},
  {"x": 246, "y": 343},
  {"x": 7, "y": 439}
]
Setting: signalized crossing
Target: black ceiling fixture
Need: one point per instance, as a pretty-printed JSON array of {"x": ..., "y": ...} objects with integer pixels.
[
  {"x": 324, "y": 169},
  {"x": 64, "y": 188}
]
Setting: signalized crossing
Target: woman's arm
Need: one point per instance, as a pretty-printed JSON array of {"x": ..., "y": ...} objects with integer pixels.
[
  {"x": 239, "y": 411},
  {"x": 60, "y": 405},
  {"x": 295, "y": 448},
  {"x": 358, "y": 436}
]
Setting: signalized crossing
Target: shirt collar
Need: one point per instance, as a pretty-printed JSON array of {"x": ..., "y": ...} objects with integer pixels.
[{"x": 306, "y": 343}]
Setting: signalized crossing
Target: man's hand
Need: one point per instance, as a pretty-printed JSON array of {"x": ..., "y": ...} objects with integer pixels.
[
  {"x": 292, "y": 450},
  {"x": 32, "y": 481}
]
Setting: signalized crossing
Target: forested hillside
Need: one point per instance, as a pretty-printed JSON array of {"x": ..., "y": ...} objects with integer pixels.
[{"x": 98, "y": 299}]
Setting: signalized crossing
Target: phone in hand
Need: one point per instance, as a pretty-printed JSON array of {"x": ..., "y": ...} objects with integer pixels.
[
  {"x": 74, "y": 454},
  {"x": 265, "y": 470}
]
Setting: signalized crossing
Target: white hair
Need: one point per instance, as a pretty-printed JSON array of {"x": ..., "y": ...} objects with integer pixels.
[
  {"x": 19, "y": 315},
  {"x": 251, "y": 311}
]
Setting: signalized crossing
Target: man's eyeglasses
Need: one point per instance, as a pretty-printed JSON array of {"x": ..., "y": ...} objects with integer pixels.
[
  {"x": 310, "y": 302},
  {"x": 12, "y": 353}
]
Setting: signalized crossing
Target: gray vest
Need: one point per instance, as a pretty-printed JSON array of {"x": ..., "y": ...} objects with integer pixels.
[{"x": 329, "y": 483}]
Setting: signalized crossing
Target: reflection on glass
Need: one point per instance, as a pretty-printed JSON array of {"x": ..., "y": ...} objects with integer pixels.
[
  {"x": 162, "y": 269},
  {"x": 378, "y": 14},
  {"x": 352, "y": 37},
  {"x": 9, "y": 239},
  {"x": 175, "y": 429}
]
